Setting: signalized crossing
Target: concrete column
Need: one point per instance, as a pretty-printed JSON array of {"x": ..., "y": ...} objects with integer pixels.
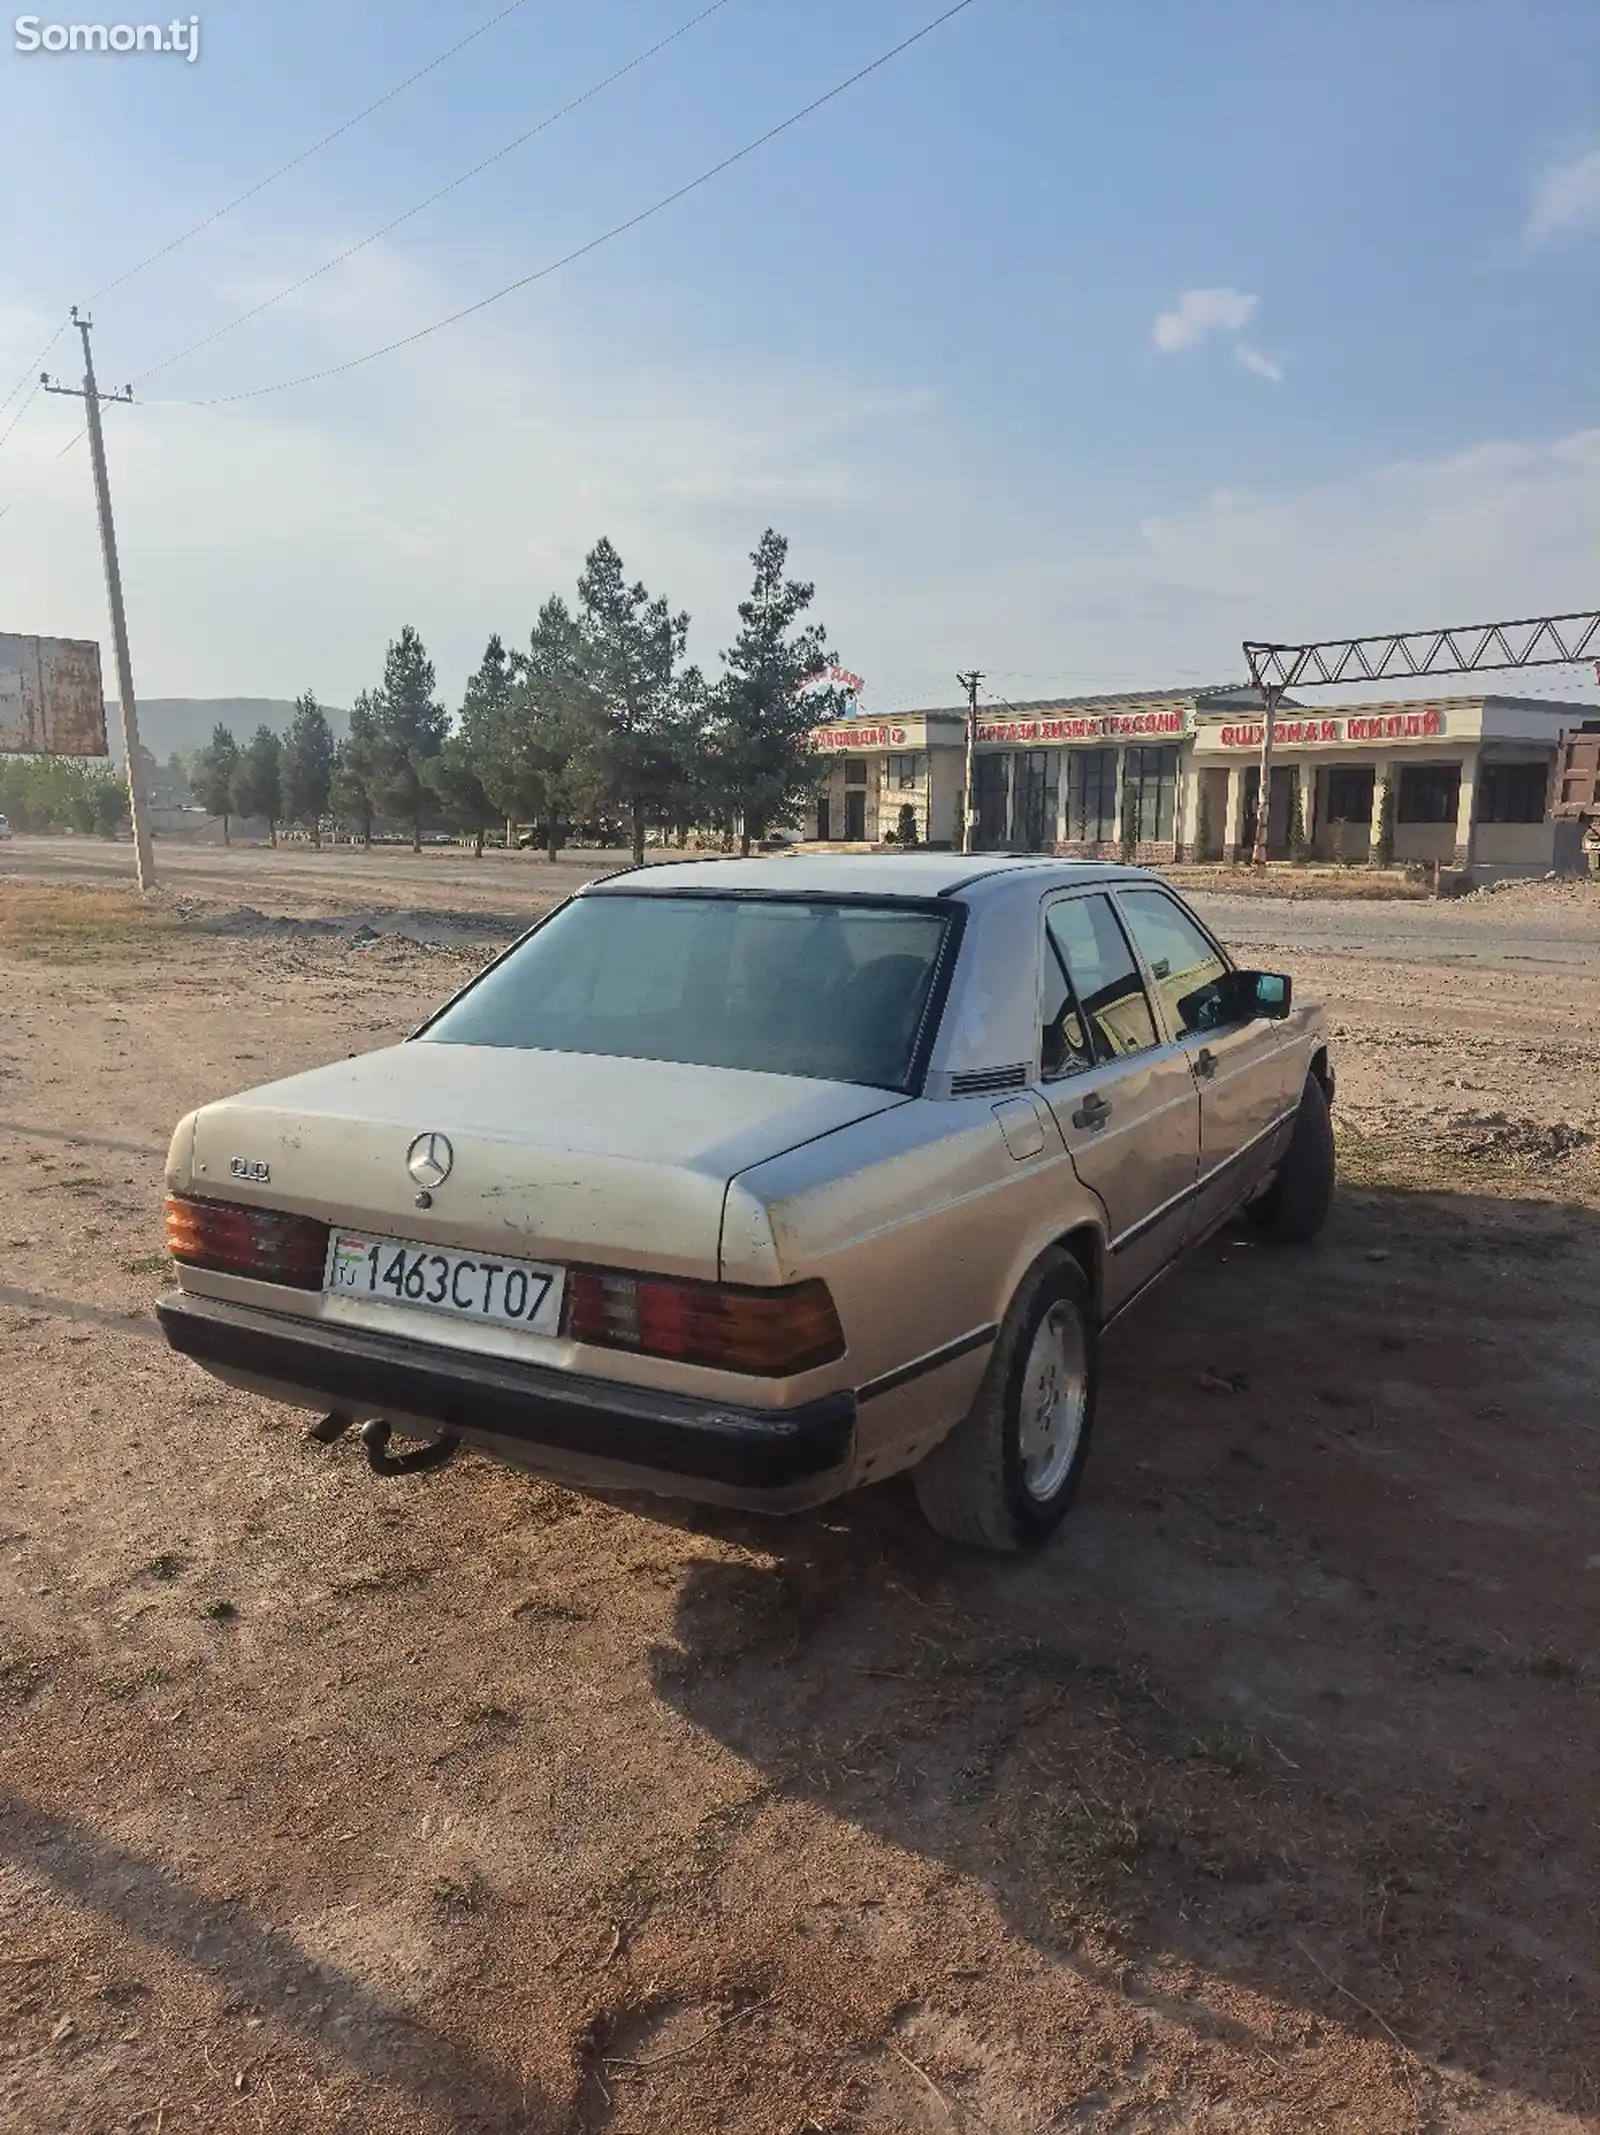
[
  {"x": 1183, "y": 799},
  {"x": 1467, "y": 807},
  {"x": 1232, "y": 825}
]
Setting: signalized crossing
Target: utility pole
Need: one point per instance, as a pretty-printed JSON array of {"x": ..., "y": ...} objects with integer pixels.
[
  {"x": 91, "y": 396},
  {"x": 969, "y": 798},
  {"x": 1270, "y": 694}
]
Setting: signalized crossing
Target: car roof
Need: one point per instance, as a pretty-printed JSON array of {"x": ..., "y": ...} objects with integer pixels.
[{"x": 919, "y": 874}]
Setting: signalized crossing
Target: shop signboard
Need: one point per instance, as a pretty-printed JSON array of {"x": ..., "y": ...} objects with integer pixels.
[
  {"x": 1171, "y": 724},
  {"x": 1330, "y": 733}
]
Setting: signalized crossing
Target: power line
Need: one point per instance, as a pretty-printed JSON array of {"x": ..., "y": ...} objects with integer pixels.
[
  {"x": 32, "y": 370},
  {"x": 389, "y": 348},
  {"x": 521, "y": 140},
  {"x": 21, "y": 412},
  {"x": 306, "y": 153}
]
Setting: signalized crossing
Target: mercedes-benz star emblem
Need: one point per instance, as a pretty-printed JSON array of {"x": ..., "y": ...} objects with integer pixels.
[{"x": 429, "y": 1160}]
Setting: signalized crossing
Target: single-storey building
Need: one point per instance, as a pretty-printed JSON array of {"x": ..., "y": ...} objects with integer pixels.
[{"x": 1175, "y": 774}]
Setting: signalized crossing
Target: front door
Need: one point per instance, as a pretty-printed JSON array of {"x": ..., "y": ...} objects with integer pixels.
[
  {"x": 1243, "y": 1067},
  {"x": 1122, "y": 1095},
  {"x": 855, "y": 815}
]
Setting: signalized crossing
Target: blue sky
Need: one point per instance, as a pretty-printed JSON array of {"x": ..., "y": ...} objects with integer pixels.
[{"x": 1078, "y": 343}]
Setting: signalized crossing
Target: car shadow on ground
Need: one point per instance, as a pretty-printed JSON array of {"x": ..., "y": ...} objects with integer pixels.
[
  {"x": 1299, "y": 1700},
  {"x": 226, "y": 1944}
]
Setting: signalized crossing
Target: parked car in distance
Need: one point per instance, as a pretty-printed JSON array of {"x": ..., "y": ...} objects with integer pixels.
[
  {"x": 756, "y": 1181},
  {"x": 5, "y": 828}
]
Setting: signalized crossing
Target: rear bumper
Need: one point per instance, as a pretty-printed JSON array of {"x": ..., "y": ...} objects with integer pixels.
[{"x": 589, "y": 1432}]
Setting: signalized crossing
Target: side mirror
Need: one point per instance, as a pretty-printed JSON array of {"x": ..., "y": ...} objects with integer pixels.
[{"x": 1266, "y": 993}]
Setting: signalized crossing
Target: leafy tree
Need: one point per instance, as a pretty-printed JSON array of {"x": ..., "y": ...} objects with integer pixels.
[
  {"x": 411, "y": 729},
  {"x": 763, "y": 723},
  {"x": 631, "y": 648},
  {"x": 906, "y": 828},
  {"x": 108, "y": 797},
  {"x": 353, "y": 787},
  {"x": 212, "y": 775},
  {"x": 258, "y": 780},
  {"x": 308, "y": 754}
]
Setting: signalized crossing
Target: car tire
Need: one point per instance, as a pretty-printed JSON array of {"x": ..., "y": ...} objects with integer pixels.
[
  {"x": 1004, "y": 1477},
  {"x": 1295, "y": 1206}
]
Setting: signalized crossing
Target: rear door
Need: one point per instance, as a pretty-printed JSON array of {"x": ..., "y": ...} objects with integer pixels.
[
  {"x": 1122, "y": 1094},
  {"x": 1242, "y": 1067}
]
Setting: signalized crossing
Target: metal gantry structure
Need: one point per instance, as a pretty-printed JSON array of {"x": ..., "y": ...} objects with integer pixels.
[{"x": 1406, "y": 655}]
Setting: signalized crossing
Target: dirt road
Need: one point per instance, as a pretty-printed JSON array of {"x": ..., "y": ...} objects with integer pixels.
[{"x": 1263, "y": 1800}]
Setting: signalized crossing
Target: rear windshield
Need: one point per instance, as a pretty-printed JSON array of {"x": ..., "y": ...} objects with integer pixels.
[{"x": 790, "y": 987}]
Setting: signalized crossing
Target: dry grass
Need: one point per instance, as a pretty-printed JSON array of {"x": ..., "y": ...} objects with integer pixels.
[
  {"x": 68, "y": 925},
  {"x": 1368, "y": 884}
]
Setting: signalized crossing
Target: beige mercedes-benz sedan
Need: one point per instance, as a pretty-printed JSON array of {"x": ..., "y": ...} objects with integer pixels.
[{"x": 756, "y": 1181}]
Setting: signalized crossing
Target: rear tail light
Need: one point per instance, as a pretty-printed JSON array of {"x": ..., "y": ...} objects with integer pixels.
[
  {"x": 258, "y": 1242},
  {"x": 768, "y": 1333}
]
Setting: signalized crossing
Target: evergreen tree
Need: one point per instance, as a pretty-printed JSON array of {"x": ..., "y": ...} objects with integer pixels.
[
  {"x": 763, "y": 722},
  {"x": 1383, "y": 850},
  {"x": 411, "y": 730},
  {"x": 548, "y": 765},
  {"x": 212, "y": 775},
  {"x": 453, "y": 780},
  {"x": 631, "y": 647},
  {"x": 355, "y": 768},
  {"x": 258, "y": 780},
  {"x": 1299, "y": 843},
  {"x": 308, "y": 767}
]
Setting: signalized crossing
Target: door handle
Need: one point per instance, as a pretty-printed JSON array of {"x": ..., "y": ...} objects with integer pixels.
[
  {"x": 1205, "y": 1063},
  {"x": 1093, "y": 1112}
]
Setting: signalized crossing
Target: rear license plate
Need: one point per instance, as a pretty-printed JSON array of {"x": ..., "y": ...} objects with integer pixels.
[{"x": 466, "y": 1286}]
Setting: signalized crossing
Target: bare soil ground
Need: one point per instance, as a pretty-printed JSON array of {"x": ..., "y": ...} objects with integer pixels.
[{"x": 1264, "y": 1800}]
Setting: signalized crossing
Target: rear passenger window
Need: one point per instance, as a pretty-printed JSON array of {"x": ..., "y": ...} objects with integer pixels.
[
  {"x": 1107, "y": 993},
  {"x": 1185, "y": 966}
]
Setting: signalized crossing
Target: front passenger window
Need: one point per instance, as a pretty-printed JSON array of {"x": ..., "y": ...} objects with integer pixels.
[
  {"x": 1191, "y": 978},
  {"x": 1103, "y": 979}
]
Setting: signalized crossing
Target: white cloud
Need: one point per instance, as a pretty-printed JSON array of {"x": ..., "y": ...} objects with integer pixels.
[
  {"x": 1199, "y": 312},
  {"x": 1262, "y": 366},
  {"x": 1566, "y": 198}
]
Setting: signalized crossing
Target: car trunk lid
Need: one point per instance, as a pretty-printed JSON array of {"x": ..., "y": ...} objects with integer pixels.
[{"x": 557, "y": 1156}]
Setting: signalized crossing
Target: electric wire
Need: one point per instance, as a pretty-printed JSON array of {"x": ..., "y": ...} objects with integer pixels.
[
  {"x": 305, "y": 154},
  {"x": 32, "y": 370},
  {"x": 350, "y": 251},
  {"x": 619, "y": 229},
  {"x": 21, "y": 412}
]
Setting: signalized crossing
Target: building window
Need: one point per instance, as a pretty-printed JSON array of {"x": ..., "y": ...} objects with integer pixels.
[
  {"x": 1091, "y": 796},
  {"x": 1349, "y": 795},
  {"x": 1429, "y": 793},
  {"x": 1038, "y": 798},
  {"x": 855, "y": 771},
  {"x": 1149, "y": 794},
  {"x": 1512, "y": 793},
  {"x": 991, "y": 798},
  {"x": 905, "y": 773}
]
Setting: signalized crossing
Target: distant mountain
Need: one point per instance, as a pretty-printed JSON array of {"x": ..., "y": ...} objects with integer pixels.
[{"x": 168, "y": 723}]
